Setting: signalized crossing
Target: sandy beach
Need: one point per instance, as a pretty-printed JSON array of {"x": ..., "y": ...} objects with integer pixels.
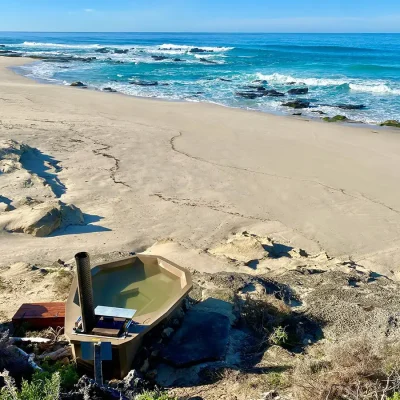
[{"x": 193, "y": 174}]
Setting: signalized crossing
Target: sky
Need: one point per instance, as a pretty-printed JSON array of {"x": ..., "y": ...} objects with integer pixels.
[{"x": 200, "y": 15}]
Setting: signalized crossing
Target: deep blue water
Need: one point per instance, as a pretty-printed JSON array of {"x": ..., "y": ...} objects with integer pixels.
[{"x": 336, "y": 68}]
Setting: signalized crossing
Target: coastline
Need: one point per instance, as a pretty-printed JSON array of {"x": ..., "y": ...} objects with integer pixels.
[
  {"x": 195, "y": 173},
  {"x": 356, "y": 124}
]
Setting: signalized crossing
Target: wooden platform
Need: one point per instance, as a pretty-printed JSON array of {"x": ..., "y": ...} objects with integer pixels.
[{"x": 40, "y": 315}]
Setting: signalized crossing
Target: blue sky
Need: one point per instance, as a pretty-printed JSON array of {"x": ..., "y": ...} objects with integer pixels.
[{"x": 201, "y": 15}]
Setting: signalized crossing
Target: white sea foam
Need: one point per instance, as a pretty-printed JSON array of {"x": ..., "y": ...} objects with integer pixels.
[
  {"x": 284, "y": 79},
  {"x": 186, "y": 48},
  {"x": 61, "y": 46},
  {"x": 377, "y": 88}
]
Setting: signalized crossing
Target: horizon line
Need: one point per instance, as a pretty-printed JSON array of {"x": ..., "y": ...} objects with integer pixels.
[{"x": 215, "y": 33}]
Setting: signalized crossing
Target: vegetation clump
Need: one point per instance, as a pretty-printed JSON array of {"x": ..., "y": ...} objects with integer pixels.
[
  {"x": 336, "y": 118},
  {"x": 391, "y": 122}
]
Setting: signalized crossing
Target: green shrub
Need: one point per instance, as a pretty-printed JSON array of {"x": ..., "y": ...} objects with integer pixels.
[
  {"x": 279, "y": 336},
  {"x": 46, "y": 389},
  {"x": 396, "y": 396},
  {"x": 68, "y": 375},
  {"x": 154, "y": 395}
]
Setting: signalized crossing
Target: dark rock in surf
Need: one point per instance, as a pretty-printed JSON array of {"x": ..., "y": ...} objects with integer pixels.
[
  {"x": 298, "y": 91},
  {"x": 296, "y": 114},
  {"x": 2, "y": 45},
  {"x": 291, "y": 83},
  {"x": 109, "y": 89},
  {"x": 262, "y": 81},
  {"x": 204, "y": 60},
  {"x": 121, "y": 51},
  {"x": 198, "y": 50},
  {"x": 225, "y": 80},
  {"x": 144, "y": 83},
  {"x": 297, "y": 104},
  {"x": 351, "y": 106},
  {"x": 159, "y": 58},
  {"x": 250, "y": 95},
  {"x": 103, "y": 50},
  {"x": 179, "y": 60},
  {"x": 319, "y": 112},
  {"x": 255, "y": 87},
  {"x": 78, "y": 84},
  {"x": 273, "y": 93}
]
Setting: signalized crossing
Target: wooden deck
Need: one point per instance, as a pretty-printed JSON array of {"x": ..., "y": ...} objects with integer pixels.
[{"x": 40, "y": 315}]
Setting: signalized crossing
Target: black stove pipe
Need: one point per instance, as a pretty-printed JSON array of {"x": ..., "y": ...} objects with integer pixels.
[{"x": 85, "y": 291}]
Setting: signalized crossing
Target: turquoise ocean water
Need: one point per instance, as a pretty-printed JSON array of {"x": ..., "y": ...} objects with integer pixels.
[{"x": 358, "y": 69}]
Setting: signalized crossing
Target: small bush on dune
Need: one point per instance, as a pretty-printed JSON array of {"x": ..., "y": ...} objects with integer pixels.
[{"x": 68, "y": 375}]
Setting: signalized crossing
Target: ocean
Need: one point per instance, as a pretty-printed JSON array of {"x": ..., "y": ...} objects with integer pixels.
[{"x": 337, "y": 69}]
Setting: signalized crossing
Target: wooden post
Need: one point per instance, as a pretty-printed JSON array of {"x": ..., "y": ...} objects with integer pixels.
[{"x": 98, "y": 368}]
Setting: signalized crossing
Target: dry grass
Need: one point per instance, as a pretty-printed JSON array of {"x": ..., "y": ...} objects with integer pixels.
[
  {"x": 62, "y": 283},
  {"x": 263, "y": 313},
  {"x": 353, "y": 369}
]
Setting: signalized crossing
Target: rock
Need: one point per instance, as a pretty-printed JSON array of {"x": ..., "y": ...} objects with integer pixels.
[
  {"x": 225, "y": 80},
  {"x": 240, "y": 248},
  {"x": 202, "y": 337},
  {"x": 71, "y": 215},
  {"x": 249, "y": 95},
  {"x": 262, "y": 81},
  {"x": 273, "y": 93},
  {"x": 205, "y": 60},
  {"x": 291, "y": 83},
  {"x": 159, "y": 58},
  {"x": 351, "y": 106},
  {"x": 78, "y": 84},
  {"x": 103, "y": 50},
  {"x": 391, "y": 122},
  {"x": 298, "y": 91},
  {"x": 133, "y": 381},
  {"x": 255, "y": 87},
  {"x": 145, "y": 367},
  {"x": 109, "y": 89},
  {"x": 167, "y": 332},
  {"x": 296, "y": 114},
  {"x": 41, "y": 219},
  {"x": 197, "y": 50},
  {"x": 336, "y": 118},
  {"x": 151, "y": 375},
  {"x": 297, "y": 104},
  {"x": 5, "y": 207},
  {"x": 179, "y": 60},
  {"x": 121, "y": 51},
  {"x": 2, "y": 45},
  {"x": 319, "y": 112},
  {"x": 144, "y": 83}
]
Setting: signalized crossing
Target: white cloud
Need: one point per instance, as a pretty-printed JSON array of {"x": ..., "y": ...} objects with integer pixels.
[{"x": 89, "y": 10}]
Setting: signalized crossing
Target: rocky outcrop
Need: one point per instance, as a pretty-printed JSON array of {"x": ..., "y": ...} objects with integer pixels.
[
  {"x": 207, "y": 61},
  {"x": 121, "y": 51},
  {"x": 297, "y": 104},
  {"x": 109, "y": 89},
  {"x": 143, "y": 83},
  {"x": 336, "y": 118},
  {"x": 179, "y": 60},
  {"x": 41, "y": 219},
  {"x": 159, "y": 58},
  {"x": 225, "y": 80},
  {"x": 351, "y": 106},
  {"x": 78, "y": 84},
  {"x": 198, "y": 50},
  {"x": 103, "y": 50},
  {"x": 298, "y": 91},
  {"x": 391, "y": 122},
  {"x": 273, "y": 93},
  {"x": 250, "y": 95}
]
